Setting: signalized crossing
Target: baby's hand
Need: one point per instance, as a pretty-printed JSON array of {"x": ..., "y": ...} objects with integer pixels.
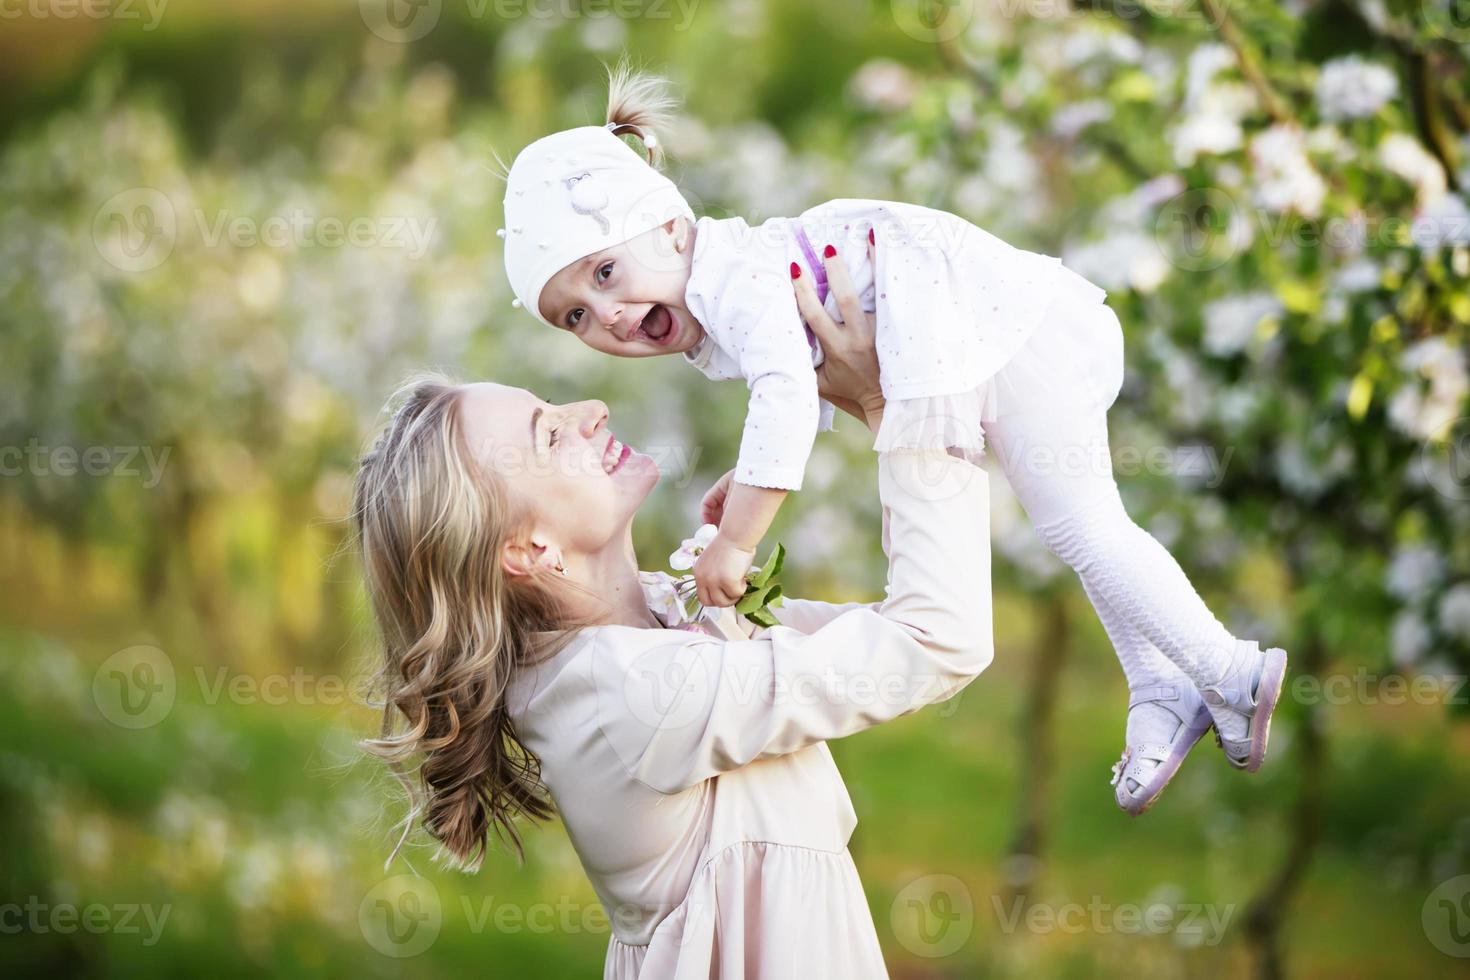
[
  {"x": 720, "y": 571},
  {"x": 712, "y": 507}
]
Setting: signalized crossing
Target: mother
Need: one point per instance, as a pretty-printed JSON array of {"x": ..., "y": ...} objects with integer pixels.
[{"x": 525, "y": 667}]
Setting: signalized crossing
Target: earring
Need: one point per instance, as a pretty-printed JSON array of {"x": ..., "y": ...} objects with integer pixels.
[{"x": 561, "y": 568}]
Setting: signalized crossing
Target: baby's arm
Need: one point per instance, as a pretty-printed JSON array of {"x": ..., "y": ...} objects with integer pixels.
[
  {"x": 720, "y": 570},
  {"x": 780, "y": 425}
]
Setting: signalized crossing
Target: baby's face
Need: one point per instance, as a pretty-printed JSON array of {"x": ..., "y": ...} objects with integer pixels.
[{"x": 628, "y": 300}]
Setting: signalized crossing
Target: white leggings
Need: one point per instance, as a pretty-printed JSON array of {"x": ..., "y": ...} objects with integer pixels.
[{"x": 1051, "y": 440}]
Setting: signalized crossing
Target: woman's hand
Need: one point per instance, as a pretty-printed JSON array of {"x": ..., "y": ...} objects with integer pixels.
[{"x": 848, "y": 377}]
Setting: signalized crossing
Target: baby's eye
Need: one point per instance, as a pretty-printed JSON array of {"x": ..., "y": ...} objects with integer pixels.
[
  {"x": 574, "y": 317},
  {"x": 603, "y": 271},
  {"x": 555, "y": 433}
]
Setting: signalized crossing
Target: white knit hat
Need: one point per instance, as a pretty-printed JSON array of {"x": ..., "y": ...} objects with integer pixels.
[{"x": 574, "y": 193}]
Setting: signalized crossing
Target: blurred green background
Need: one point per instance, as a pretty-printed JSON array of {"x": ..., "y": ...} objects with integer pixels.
[{"x": 227, "y": 232}]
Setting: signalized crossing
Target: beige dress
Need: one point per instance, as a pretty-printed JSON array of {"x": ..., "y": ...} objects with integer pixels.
[{"x": 691, "y": 771}]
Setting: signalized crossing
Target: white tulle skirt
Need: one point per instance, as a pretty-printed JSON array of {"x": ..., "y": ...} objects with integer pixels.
[{"x": 1073, "y": 361}]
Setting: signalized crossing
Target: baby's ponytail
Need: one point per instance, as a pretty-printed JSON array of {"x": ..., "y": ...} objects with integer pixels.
[{"x": 639, "y": 103}]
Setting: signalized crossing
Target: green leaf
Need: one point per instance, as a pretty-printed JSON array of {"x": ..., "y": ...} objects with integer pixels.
[
  {"x": 753, "y": 599},
  {"x": 763, "y": 617},
  {"x": 771, "y": 567},
  {"x": 776, "y": 562}
]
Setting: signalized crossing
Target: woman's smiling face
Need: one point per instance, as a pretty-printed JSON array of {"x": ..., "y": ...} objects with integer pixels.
[
  {"x": 628, "y": 300},
  {"x": 581, "y": 485}
]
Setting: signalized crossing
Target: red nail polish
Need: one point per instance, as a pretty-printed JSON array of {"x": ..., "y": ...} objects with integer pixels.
[
  {"x": 829, "y": 251},
  {"x": 795, "y": 271},
  {"x": 871, "y": 239}
]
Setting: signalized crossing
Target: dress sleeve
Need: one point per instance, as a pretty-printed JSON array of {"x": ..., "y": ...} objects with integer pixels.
[
  {"x": 810, "y": 615},
  {"x": 679, "y": 708}
]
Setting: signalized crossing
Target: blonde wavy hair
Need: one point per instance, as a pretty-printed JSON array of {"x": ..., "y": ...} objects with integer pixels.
[{"x": 432, "y": 525}]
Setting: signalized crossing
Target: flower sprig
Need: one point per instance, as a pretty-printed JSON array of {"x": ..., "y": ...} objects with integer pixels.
[{"x": 762, "y": 582}]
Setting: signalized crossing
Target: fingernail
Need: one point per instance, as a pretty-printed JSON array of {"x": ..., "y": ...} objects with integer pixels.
[
  {"x": 871, "y": 239},
  {"x": 829, "y": 251},
  {"x": 795, "y": 271}
]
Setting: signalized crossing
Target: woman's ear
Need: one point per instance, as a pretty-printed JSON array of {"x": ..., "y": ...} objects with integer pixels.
[{"x": 521, "y": 558}]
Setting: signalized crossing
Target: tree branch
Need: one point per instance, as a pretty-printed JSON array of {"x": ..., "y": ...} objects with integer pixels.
[{"x": 1231, "y": 34}]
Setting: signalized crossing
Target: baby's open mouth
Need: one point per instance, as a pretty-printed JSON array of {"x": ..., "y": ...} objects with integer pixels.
[{"x": 657, "y": 324}]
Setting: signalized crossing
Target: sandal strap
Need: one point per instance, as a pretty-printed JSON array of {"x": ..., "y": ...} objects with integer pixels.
[
  {"x": 1167, "y": 695},
  {"x": 1142, "y": 695},
  {"x": 1153, "y": 753}
]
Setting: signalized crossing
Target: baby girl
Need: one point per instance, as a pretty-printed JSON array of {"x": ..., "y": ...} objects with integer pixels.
[{"x": 979, "y": 343}]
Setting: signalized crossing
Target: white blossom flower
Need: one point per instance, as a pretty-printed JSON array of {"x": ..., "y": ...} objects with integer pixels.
[
  {"x": 1425, "y": 415},
  {"x": 1070, "y": 120},
  {"x": 1285, "y": 178},
  {"x": 1454, "y": 612},
  {"x": 1205, "y": 133},
  {"x": 1237, "y": 406},
  {"x": 1351, "y": 88},
  {"x": 660, "y": 591},
  {"x": 692, "y": 548},
  {"x": 1212, "y": 109},
  {"x": 1359, "y": 276},
  {"x": 1205, "y": 62},
  {"x": 1404, "y": 156},
  {"x": 1084, "y": 45},
  {"x": 1123, "y": 260},
  {"x": 1231, "y": 322},
  {"x": 883, "y": 84},
  {"x": 1328, "y": 141},
  {"x": 1409, "y": 639},
  {"x": 1307, "y": 476},
  {"x": 1443, "y": 221},
  {"x": 1414, "y": 570}
]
